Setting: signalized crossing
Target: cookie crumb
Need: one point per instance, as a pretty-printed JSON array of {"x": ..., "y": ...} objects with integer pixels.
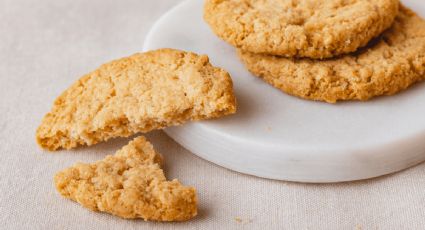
[
  {"x": 243, "y": 221},
  {"x": 358, "y": 227}
]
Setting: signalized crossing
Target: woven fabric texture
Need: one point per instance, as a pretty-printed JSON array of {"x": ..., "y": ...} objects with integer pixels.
[{"x": 46, "y": 45}]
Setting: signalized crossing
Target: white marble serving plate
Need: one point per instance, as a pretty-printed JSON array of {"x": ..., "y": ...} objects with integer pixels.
[{"x": 277, "y": 136}]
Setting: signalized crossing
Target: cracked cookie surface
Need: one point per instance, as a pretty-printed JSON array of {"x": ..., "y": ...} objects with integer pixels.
[
  {"x": 129, "y": 184},
  {"x": 299, "y": 28},
  {"x": 139, "y": 93},
  {"x": 388, "y": 65}
]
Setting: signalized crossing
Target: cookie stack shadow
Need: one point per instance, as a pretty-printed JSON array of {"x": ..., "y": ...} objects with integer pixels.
[{"x": 325, "y": 50}]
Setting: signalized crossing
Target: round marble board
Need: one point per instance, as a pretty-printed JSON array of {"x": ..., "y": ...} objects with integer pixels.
[{"x": 277, "y": 136}]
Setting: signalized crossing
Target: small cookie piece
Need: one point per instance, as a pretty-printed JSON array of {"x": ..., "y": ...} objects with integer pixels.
[
  {"x": 300, "y": 28},
  {"x": 129, "y": 184},
  {"x": 390, "y": 64},
  {"x": 139, "y": 93}
]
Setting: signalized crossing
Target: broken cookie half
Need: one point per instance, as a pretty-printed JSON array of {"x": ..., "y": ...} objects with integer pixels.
[
  {"x": 129, "y": 184},
  {"x": 139, "y": 93}
]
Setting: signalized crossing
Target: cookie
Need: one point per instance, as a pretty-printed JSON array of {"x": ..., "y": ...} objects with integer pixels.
[
  {"x": 129, "y": 184},
  {"x": 300, "y": 28},
  {"x": 388, "y": 65},
  {"x": 139, "y": 93}
]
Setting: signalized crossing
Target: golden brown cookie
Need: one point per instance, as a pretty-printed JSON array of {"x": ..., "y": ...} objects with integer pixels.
[
  {"x": 129, "y": 184},
  {"x": 139, "y": 93},
  {"x": 299, "y": 28},
  {"x": 388, "y": 65}
]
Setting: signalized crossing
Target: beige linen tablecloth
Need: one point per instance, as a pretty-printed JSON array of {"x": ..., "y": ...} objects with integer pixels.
[{"x": 46, "y": 45}]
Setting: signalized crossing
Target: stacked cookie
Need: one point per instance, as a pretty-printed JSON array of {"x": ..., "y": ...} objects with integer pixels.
[{"x": 326, "y": 50}]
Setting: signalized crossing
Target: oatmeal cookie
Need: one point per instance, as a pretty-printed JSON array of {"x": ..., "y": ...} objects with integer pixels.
[
  {"x": 388, "y": 65},
  {"x": 300, "y": 28},
  {"x": 139, "y": 93},
  {"x": 129, "y": 184}
]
